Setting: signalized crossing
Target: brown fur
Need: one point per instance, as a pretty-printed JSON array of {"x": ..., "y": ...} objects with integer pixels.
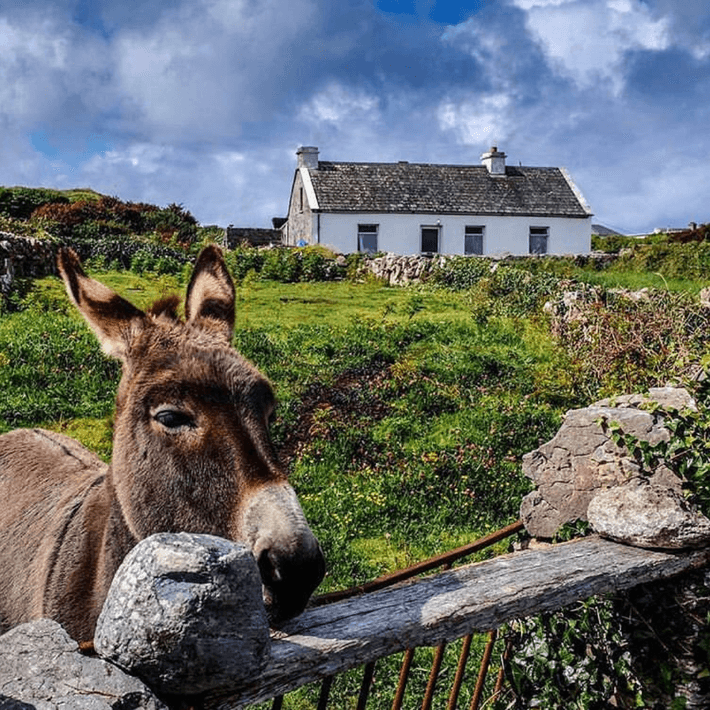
[{"x": 191, "y": 453}]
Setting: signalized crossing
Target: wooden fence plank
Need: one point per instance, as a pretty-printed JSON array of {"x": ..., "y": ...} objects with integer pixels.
[{"x": 327, "y": 640}]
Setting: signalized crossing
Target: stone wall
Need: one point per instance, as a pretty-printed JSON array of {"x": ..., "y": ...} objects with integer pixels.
[
  {"x": 24, "y": 257},
  {"x": 400, "y": 270},
  {"x": 236, "y": 236}
]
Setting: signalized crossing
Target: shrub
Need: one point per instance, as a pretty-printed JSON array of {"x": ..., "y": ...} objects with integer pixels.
[
  {"x": 173, "y": 222},
  {"x": 575, "y": 658},
  {"x": 21, "y": 202},
  {"x": 613, "y": 243},
  {"x": 671, "y": 260},
  {"x": 243, "y": 260},
  {"x": 460, "y": 272},
  {"x": 630, "y": 341},
  {"x": 282, "y": 265},
  {"x": 285, "y": 265}
]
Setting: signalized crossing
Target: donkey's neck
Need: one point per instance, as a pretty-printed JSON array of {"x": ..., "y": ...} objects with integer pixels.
[{"x": 96, "y": 539}]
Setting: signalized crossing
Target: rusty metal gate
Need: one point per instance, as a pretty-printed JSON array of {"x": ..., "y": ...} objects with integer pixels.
[{"x": 440, "y": 562}]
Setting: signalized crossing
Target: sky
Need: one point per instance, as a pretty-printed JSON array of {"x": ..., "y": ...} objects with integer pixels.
[{"x": 205, "y": 102}]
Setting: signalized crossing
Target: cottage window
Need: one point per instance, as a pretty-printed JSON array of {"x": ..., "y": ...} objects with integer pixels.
[
  {"x": 367, "y": 238},
  {"x": 473, "y": 239},
  {"x": 538, "y": 239},
  {"x": 430, "y": 240}
]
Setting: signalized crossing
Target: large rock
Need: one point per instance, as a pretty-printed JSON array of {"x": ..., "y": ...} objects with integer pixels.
[
  {"x": 582, "y": 458},
  {"x": 644, "y": 513},
  {"x": 185, "y": 613},
  {"x": 41, "y": 668}
]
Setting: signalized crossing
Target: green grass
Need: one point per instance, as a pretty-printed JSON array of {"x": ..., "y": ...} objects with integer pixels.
[
  {"x": 415, "y": 416},
  {"x": 269, "y": 305},
  {"x": 635, "y": 281},
  {"x": 403, "y": 412}
]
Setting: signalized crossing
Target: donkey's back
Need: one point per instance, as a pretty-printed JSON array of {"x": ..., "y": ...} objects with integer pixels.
[{"x": 45, "y": 480}]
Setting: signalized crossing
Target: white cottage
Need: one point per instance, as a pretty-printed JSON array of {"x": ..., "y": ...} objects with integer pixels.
[{"x": 414, "y": 208}]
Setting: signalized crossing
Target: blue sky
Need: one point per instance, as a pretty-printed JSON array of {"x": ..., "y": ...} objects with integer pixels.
[{"x": 204, "y": 102}]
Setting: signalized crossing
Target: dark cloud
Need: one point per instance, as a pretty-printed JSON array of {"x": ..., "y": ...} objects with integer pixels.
[{"x": 204, "y": 102}]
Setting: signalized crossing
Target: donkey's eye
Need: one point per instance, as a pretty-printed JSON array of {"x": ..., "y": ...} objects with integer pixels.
[{"x": 173, "y": 419}]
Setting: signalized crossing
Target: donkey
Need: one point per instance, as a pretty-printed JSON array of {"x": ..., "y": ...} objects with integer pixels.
[{"x": 191, "y": 453}]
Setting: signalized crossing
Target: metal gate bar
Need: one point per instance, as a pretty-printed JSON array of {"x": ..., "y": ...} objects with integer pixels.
[
  {"x": 324, "y": 696},
  {"x": 483, "y": 671},
  {"x": 460, "y": 672},
  {"x": 366, "y": 685},
  {"x": 403, "y": 678},
  {"x": 433, "y": 677}
]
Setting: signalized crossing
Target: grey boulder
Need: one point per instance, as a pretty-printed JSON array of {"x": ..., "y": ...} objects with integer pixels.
[
  {"x": 642, "y": 513},
  {"x": 185, "y": 613},
  {"x": 41, "y": 669}
]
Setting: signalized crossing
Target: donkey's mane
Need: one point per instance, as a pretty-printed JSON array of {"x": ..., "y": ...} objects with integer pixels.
[{"x": 166, "y": 307}]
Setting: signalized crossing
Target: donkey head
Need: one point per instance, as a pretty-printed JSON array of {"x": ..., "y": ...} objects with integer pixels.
[{"x": 192, "y": 450}]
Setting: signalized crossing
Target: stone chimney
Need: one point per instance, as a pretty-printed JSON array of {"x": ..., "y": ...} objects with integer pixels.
[
  {"x": 494, "y": 161},
  {"x": 307, "y": 157}
]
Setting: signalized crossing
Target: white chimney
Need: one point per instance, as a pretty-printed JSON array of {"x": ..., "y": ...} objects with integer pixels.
[
  {"x": 494, "y": 161},
  {"x": 307, "y": 157}
]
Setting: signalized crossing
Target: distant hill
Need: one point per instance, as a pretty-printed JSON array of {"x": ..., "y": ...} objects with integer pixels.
[{"x": 601, "y": 231}]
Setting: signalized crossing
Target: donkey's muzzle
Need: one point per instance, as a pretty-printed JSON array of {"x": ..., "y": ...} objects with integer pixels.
[
  {"x": 289, "y": 580},
  {"x": 289, "y": 557}
]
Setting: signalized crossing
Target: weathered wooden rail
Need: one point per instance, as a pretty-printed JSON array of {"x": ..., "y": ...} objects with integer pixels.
[{"x": 330, "y": 639}]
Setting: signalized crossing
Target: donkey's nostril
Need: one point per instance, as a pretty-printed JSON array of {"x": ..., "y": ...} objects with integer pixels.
[
  {"x": 288, "y": 580},
  {"x": 268, "y": 567}
]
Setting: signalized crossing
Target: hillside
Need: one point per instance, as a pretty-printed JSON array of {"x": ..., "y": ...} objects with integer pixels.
[{"x": 404, "y": 412}]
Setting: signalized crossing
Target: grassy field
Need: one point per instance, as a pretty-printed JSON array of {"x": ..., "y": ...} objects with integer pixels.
[
  {"x": 402, "y": 420},
  {"x": 403, "y": 412}
]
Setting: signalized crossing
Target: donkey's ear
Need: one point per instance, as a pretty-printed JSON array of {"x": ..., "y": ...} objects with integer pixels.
[
  {"x": 210, "y": 294},
  {"x": 109, "y": 315}
]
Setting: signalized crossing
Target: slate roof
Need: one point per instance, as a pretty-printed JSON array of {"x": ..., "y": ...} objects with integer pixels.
[{"x": 445, "y": 189}]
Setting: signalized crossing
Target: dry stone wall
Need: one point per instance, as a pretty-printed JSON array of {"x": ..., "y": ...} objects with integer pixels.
[
  {"x": 583, "y": 474},
  {"x": 397, "y": 270},
  {"x": 24, "y": 257}
]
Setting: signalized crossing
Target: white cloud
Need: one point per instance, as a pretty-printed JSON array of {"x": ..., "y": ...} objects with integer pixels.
[
  {"x": 528, "y": 4},
  {"x": 338, "y": 104},
  {"x": 219, "y": 186},
  {"x": 480, "y": 120},
  {"x": 207, "y": 67},
  {"x": 45, "y": 65},
  {"x": 588, "y": 41}
]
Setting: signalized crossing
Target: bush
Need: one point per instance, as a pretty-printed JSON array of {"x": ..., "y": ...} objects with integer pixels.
[
  {"x": 516, "y": 292},
  {"x": 156, "y": 260},
  {"x": 613, "y": 243},
  {"x": 285, "y": 265},
  {"x": 244, "y": 259},
  {"x": 282, "y": 265},
  {"x": 630, "y": 341},
  {"x": 461, "y": 272},
  {"x": 173, "y": 223},
  {"x": 671, "y": 260},
  {"x": 21, "y": 202}
]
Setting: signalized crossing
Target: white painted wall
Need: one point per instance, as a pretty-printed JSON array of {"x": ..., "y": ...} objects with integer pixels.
[{"x": 400, "y": 233}]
